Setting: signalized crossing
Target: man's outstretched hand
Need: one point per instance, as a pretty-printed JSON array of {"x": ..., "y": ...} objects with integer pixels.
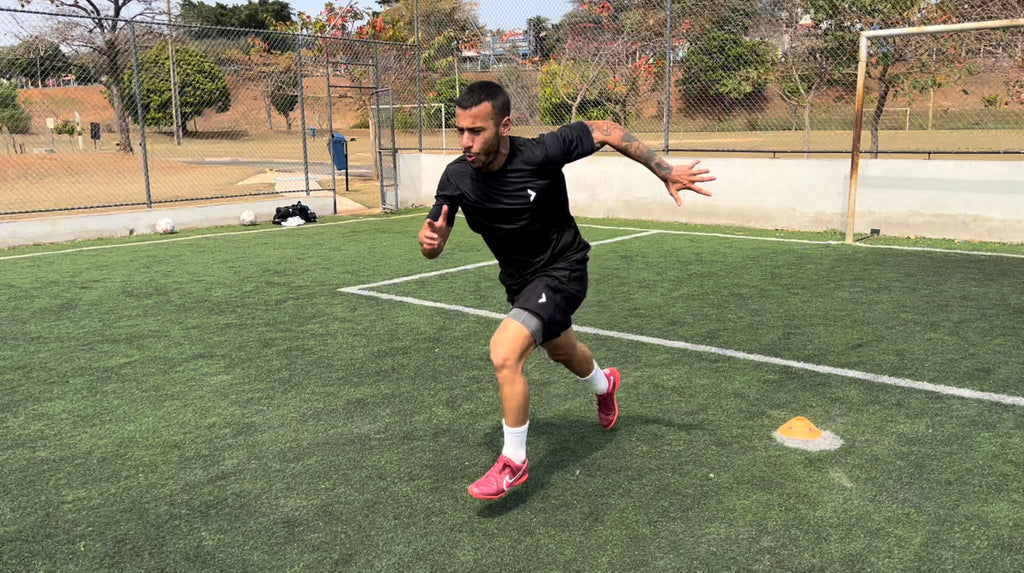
[{"x": 687, "y": 177}]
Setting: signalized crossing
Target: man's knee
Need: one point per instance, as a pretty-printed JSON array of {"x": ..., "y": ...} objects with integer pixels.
[
  {"x": 505, "y": 360},
  {"x": 509, "y": 348}
]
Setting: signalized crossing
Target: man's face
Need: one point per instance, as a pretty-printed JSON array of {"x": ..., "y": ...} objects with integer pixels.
[{"x": 482, "y": 136}]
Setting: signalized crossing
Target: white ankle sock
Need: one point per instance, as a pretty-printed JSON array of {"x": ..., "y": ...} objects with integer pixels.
[
  {"x": 597, "y": 381},
  {"x": 515, "y": 442}
]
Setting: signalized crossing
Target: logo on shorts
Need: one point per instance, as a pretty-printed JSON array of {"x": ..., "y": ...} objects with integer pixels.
[
  {"x": 543, "y": 297},
  {"x": 532, "y": 194}
]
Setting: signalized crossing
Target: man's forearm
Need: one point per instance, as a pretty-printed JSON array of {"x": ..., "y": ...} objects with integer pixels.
[{"x": 613, "y": 134}]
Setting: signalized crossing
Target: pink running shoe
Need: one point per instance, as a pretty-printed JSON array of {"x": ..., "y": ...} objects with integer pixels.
[
  {"x": 607, "y": 406},
  {"x": 503, "y": 476}
]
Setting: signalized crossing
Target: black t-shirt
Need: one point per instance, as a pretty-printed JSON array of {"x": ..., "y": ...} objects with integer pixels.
[{"x": 522, "y": 209}]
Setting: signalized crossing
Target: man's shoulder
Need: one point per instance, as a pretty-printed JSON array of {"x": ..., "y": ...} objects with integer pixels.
[
  {"x": 563, "y": 145},
  {"x": 456, "y": 174},
  {"x": 458, "y": 168}
]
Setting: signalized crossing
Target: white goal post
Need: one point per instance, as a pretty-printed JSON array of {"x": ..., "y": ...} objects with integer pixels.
[{"x": 858, "y": 117}]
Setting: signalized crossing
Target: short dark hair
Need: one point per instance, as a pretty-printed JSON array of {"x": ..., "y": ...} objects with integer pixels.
[{"x": 480, "y": 92}]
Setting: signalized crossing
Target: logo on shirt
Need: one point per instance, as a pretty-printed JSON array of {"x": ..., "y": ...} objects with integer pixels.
[
  {"x": 532, "y": 194},
  {"x": 543, "y": 297}
]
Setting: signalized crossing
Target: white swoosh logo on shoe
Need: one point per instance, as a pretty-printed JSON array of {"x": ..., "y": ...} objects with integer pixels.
[{"x": 508, "y": 483}]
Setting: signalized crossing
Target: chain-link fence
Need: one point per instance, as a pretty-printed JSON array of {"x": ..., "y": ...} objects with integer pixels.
[
  {"x": 740, "y": 76},
  {"x": 93, "y": 113},
  {"x": 102, "y": 113}
]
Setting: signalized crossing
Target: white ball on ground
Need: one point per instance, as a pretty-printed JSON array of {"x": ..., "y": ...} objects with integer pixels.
[
  {"x": 165, "y": 226},
  {"x": 247, "y": 218}
]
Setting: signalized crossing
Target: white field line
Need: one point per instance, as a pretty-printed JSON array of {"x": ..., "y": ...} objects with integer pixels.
[
  {"x": 472, "y": 266},
  {"x": 738, "y": 354},
  {"x": 273, "y": 229},
  {"x": 844, "y": 372},
  {"x": 807, "y": 241}
]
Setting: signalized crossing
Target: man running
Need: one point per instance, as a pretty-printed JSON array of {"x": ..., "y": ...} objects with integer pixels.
[{"x": 512, "y": 192}]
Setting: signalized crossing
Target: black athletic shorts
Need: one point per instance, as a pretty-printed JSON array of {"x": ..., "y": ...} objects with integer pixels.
[{"x": 553, "y": 296}]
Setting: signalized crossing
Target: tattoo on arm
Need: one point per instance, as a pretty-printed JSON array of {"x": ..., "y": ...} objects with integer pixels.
[{"x": 629, "y": 145}]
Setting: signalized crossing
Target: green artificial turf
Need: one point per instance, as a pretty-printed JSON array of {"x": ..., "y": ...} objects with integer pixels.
[{"x": 214, "y": 403}]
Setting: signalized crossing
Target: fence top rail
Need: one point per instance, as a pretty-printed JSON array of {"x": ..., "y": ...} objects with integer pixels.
[{"x": 940, "y": 28}]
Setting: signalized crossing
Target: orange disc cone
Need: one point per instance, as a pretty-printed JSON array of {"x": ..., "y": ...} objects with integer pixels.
[{"x": 800, "y": 428}]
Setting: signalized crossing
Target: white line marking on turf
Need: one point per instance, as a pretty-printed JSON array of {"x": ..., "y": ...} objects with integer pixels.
[
  {"x": 721, "y": 235},
  {"x": 934, "y": 250},
  {"x": 475, "y": 265},
  {"x": 808, "y": 241},
  {"x": 206, "y": 236},
  {"x": 844, "y": 372}
]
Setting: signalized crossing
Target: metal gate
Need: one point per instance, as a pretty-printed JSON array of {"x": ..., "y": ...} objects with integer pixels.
[{"x": 386, "y": 152}]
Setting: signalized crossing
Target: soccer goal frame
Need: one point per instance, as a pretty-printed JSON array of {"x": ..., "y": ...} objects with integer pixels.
[{"x": 862, "y": 62}]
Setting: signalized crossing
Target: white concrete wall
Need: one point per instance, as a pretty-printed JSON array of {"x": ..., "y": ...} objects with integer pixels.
[
  {"x": 100, "y": 225},
  {"x": 979, "y": 200}
]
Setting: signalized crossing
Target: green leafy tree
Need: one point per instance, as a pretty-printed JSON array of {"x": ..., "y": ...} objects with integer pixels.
[
  {"x": 897, "y": 65},
  {"x": 13, "y": 117},
  {"x": 445, "y": 92},
  {"x": 38, "y": 59},
  {"x": 99, "y": 29},
  {"x": 201, "y": 84},
  {"x": 570, "y": 90},
  {"x": 600, "y": 67},
  {"x": 6, "y": 64},
  {"x": 259, "y": 15},
  {"x": 284, "y": 89},
  {"x": 538, "y": 30},
  {"x": 224, "y": 21},
  {"x": 724, "y": 72}
]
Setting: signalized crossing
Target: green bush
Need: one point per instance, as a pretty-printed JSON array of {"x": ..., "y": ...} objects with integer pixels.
[{"x": 66, "y": 127}]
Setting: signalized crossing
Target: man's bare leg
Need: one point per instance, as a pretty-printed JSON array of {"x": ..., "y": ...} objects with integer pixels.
[
  {"x": 574, "y": 355},
  {"x": 511, "y": 345}
]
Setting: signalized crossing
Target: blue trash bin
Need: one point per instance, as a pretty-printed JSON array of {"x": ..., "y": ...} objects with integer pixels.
[
  {"x": 339, "y": 151},
  {"x": 312, "y": 131}
]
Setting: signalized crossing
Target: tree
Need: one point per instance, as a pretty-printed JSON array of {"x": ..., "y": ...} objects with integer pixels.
[
  {"x": 445, "y": 92},
  {"x": 809, "y": 63},
  {"x": 537, "y": 29},
  {"x": 258, "y": 15},
  {"x": 894, "y": 63},
  {"x": 600, "y": 69},
  {"x": 207, "y": 89},
  {"x": 38, "y": 59},
  {"x": 101, "y": 32},
  {"x": 224, "y": 21},
  {"x": 284, "y": 89},
  {"x": 13, "y": 117},
  {"x": 724, "y": 72}
]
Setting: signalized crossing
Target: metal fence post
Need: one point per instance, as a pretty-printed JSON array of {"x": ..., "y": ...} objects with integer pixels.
[
  {"x": 302, "y": 117},
  {"x": 141, "y": 117},
  {"x": 419, "y": 75},
  {"x": 668, "y": 70}
]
